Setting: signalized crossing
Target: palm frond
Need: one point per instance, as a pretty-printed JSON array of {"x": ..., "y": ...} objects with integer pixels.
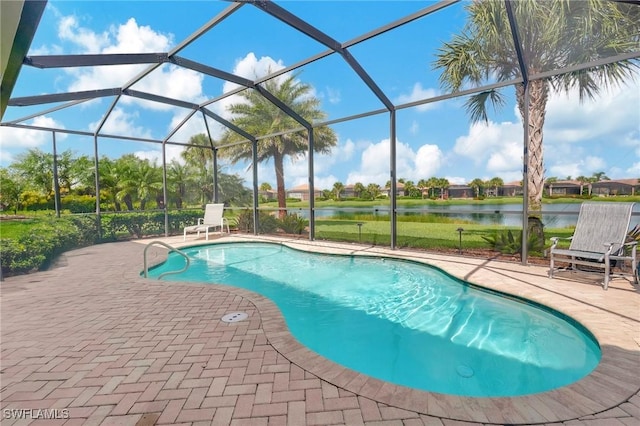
[{"x": 477, "y": 104}]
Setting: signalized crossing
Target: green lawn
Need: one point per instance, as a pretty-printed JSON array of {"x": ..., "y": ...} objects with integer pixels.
[
  {"x": 15, "y": 228},
  {"x": 419, "y": 234}
]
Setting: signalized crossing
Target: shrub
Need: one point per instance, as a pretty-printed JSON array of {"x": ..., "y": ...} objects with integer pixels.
[
  {"x": 293, "y": 224},
  {"x": 505, "y": 242},
  {"x": 35, "y": 249},
  {"x": 79, "y": 203},
  {"x": 266, "y": 223},
  {"x": 140, "y": 224}
]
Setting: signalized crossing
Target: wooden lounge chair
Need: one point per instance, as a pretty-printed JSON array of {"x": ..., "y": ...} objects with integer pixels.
[
  {"x": 600, "y": 237},
  {"x": 212, "y": 219}
]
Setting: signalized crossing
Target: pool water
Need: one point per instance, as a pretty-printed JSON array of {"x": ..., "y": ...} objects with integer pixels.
[{"x": 403, "y": 322}]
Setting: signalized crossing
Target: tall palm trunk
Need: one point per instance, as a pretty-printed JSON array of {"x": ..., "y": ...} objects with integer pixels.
[
  {"x": 538, "y": 97},
  {"x": 278, "y": 161}
]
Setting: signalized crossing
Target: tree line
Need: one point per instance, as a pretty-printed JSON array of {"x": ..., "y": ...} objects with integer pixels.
[
  {"x": 434, "y": 187},
  {"x": 126, "y": 183}
]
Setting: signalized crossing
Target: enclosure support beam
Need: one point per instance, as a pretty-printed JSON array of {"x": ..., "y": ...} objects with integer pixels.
[
  {"x": 216, "y": 194},
  {"x": 254, "y": 165},
  {"x": 96, "y": 163},
  {"x": 214, "y": 151},
  {"x": 525, "y": 177},
  {"x": 524, "y": 71},
  {"x": 165, "y": 191},
  {"x": 56, "y": 184},
  {"x": 392, "y": 170},
  {"x": 312, "y": 192}
]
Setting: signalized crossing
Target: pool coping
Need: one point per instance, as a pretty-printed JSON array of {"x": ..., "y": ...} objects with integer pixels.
[{"x": 609, "y": 385}]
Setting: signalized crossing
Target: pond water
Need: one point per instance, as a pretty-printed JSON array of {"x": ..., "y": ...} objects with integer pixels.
[{"x": 559, "y": 215}]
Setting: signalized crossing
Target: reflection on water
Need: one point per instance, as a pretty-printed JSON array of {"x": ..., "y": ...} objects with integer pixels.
[{"x": 553, "y": 215}]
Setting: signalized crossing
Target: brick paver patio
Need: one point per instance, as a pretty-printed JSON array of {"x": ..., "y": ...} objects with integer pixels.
[{"x": 92, "y": 343}]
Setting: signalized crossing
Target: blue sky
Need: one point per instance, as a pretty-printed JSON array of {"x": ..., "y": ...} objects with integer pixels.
[{"x": 433, "y": 140}]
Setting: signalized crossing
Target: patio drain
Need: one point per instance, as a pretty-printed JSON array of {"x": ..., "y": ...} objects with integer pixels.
[{"x": 235, "y": 317}]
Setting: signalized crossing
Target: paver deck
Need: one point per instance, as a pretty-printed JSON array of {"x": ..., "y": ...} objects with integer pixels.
[{"x": 91, "y": 342}]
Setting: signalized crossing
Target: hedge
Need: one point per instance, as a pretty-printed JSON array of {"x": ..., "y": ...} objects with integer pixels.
[{"x": 43, "y": 242}]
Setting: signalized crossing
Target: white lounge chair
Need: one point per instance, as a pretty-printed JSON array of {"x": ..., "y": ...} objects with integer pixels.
[
  {"x": 213, "y": 218},
  {"x": 600, "y": 237}
]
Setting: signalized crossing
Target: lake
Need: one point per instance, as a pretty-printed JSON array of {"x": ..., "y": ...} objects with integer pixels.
[{"x": 553, "y": 215}]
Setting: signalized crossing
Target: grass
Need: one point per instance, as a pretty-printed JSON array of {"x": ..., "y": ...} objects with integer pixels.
[
  {"x": 420, "y": 231},
  {"x": 15, "y": 228},
  {"x": 427, "y": 235}
]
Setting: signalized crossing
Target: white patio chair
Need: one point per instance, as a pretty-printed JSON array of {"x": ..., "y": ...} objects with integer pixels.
[
  {"x": 600, "y": 237},
  {"x": 213, "y": 218}
]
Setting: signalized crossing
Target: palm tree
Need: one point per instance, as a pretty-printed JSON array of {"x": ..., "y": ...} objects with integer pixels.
[
  {"x": 178, "y": 181},
  {"x": 199, "y": 155},
  {"x": 477, "y": 184},
  {"x": 553, "y": 34},
  {"x": 258, "y": 116},
  {"x": 198, "y": 152},
  {"x": 443, "y": 184},
  {"x": 359, "y": 189},
  {"x": 338, "y": 187},
  {"x": 549, "y": 183},
  {"x": 600, "y": 176},
  {"x": 582, "y": 179},
  {"x": 374, "y": 190},
  {"x": 432, "y": 183},
  {"x": 125, "y": 179},
  {"x": 409, "y": 188},
  {"x": 265, "y": 186},
  {"x": 496, "y": 183},
  {"x": 142, "y": 181},
  {"x": 422, "y": 185}
]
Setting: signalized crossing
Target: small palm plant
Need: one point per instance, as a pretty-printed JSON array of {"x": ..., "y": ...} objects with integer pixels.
[{"x": 507, "y": 243}]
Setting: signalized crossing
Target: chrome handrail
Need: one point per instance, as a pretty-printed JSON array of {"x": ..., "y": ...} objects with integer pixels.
[{"x": 171, "y": 248}]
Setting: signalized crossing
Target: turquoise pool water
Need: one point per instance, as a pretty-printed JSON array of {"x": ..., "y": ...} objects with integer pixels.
[{"x": 403, "y": 322}]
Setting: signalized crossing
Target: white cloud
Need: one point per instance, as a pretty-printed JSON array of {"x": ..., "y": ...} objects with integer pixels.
[
  {"x": 593, "y": 136},
  {"x": 167, "y": 80},
  {"x": 497, "y": 146},
  {"x": 14, "y": 137},
  {"x": 88, "y": 41},
  {"x": 249, "y": 67},
  {"x": 333, "y": 95},
  {"x": 634, "y": 170},
  {"x": 579, "y": 138},
  {"x": 374, "y": 165},
  {"x": 122, "y": 123},
  {"x": 427, "y": 161},
  {"x": 296, "y": 172},
  {"x": 578, "y": 167},
  {"x": 418, "y": 93},
  {"x": 195, "y": 125},
  {"x": 507, "y": 159},
  {"x": 155, "y": 155},
  {"x": 415, "y": 127},
  {"x": 456, "y": 180},
  {"x": 570, "y": 121}
]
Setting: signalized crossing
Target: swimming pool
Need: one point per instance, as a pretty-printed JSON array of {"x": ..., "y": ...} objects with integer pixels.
[{"x": 403, "y": 322}]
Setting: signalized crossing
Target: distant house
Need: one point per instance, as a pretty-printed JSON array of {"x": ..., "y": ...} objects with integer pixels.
[
  {"x": 606, "y": 188},
  {"x": 563, "y": 188},
  {"x": 268, "y": 195},
  {"x": 349, "y": 191},
  {"x": 461, "y": 191},
  {"x": 399, "y": 190},
  {"x": 511, "y": 189},
  {"x": 301, "y": 192}
]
